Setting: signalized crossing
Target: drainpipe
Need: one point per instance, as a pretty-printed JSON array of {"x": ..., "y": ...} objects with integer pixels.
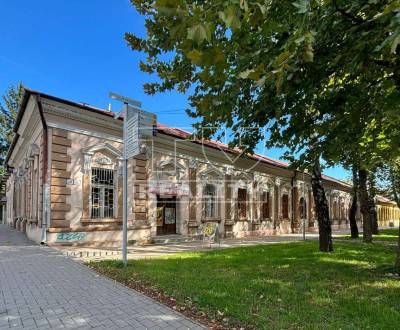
[
  {"x": 45, "y": 175},
  {"x": 293, "y": 200}
]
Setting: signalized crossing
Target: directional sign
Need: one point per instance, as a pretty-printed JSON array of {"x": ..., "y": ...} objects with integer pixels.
[
  {"x": 139, "y": 124},
  {"x": 131, "y": 136},
  {"x": 147, "y": 122},
  {"x": 125, "y": 99}
]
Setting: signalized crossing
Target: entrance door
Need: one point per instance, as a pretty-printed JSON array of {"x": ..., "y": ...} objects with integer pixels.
[{"x": 166, "y": 216}]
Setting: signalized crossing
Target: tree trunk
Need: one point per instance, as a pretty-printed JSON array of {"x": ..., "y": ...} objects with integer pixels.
[
  {"x": 322, "y": 210},
  {"x": 395, "y": 181},
  {"x": 397, "y": 265},
  {"x": 354, "y": 205},
  {"x": 364, "y": 206},
  {"x": 373, "y": 216},
  {"x": 371, "y": 203}
]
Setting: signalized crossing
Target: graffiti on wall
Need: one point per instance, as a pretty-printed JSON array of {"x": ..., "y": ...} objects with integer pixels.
[{"x": 70, "y": 236}]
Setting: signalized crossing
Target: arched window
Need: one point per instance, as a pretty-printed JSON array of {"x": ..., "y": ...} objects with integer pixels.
[
  {"x": 303, "y": 208},
  {"x": 210, "y": 201},
  {"x": 285, "y": 206}
]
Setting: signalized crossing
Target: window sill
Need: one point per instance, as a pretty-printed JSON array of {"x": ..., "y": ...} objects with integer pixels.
[
  {"x": 211, "y": 220},
  {"x": 101, "y": 221},
  {"x": 266, "y": 220}
]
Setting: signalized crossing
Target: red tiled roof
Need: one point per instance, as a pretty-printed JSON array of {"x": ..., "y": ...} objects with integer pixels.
[{"x": 177, "y": 132}]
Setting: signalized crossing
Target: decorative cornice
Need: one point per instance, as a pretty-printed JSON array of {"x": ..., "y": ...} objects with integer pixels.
[
  {"x": 79, "y": 115},
  {"x": 206, "y": 175},
  {"x": 90, "y": 151}
]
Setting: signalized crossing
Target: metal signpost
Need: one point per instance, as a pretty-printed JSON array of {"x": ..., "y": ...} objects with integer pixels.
[{"x": 137, "y": 123}]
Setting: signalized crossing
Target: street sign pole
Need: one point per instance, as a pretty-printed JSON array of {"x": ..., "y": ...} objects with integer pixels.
[
  {"x": 136, "y": 123},
  {"x": 125, "y": 193}
]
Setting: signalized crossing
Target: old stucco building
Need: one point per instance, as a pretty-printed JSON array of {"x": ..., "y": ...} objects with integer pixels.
[{"x": 65, "y": 183}]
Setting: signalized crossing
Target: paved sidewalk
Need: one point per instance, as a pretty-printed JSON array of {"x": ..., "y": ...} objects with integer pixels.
[
  {"x": 154, "y": 251},
  {"x": 42, "y": 289},
  {"x": 158, "y": 250}
]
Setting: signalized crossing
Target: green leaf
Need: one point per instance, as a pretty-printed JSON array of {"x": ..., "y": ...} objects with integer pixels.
[
  {"x": 209, "y": 28},
  {"x": 308, "y": 55},
  {"x": 282, "y": 57},
  {"x": 197, "y": 33},
  {"x": 262, "y": 7},
  {"x": 230, "y": 18},
  {"x": 395, "y": 43},
  {"x": 253, "y": 74},
  {"x": 195, "y": 56},
  {"x": 302, "y": 6},
  {"x": 243, "y": 5}
]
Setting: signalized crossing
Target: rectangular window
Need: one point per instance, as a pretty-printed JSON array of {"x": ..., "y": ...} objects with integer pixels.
[
  {"x": 242, "y": 203},
  {"x": 285, "y": 207},
  {"x": 265, "y": 205},
  {"x": 210, "y": 201},
  {"x": 102, "y": 205}
]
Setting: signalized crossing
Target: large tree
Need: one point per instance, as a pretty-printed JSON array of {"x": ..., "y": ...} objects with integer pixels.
[
  {"x": 354, "y": 204},
  {"x": 8, "y": 112},
  {"x": 310, "y": 72}
]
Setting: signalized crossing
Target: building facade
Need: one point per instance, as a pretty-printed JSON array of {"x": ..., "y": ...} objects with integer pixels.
[{"x": 65, "y": 182}]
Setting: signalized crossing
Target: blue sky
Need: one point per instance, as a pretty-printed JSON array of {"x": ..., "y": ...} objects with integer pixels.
[{"x": 76, "y": 50}]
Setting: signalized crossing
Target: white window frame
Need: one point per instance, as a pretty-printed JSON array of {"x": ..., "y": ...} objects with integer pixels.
[
  {"x": 208, "y": 198},
  {"x": 102, "y": 188}
]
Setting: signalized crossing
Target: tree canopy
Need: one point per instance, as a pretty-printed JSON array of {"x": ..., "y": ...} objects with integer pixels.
[
  {"x": 322, "y": 76},
  {"x": 8, "y": 113}
]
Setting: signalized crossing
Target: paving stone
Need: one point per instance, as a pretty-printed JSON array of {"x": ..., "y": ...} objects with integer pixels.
[{"x": 42, "y": 289}]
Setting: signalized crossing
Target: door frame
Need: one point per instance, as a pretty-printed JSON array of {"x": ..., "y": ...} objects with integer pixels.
[{"x": 170, "y": 202}]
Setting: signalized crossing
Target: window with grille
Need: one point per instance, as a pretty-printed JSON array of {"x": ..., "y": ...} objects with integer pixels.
[
  {"x": 210, "y": 201},
  {"x": 102, "y": 205},
  {"x": 242, "y": 203}
]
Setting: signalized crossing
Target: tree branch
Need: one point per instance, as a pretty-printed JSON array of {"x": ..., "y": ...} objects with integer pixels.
[
  {"x": 354, "y": 19},
  {"x": 386, "y": 64}
]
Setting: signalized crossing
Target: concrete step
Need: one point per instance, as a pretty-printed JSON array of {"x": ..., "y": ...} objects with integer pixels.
[{"x": 91, "y": 253}]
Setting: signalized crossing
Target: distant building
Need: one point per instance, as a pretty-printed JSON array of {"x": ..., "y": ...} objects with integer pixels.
[{"x": 65, "y": 183}]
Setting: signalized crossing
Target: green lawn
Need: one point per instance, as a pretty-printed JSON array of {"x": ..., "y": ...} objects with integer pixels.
[
  {"x": 279, "y": 286},
  {"x": 388, "y": 235}
]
